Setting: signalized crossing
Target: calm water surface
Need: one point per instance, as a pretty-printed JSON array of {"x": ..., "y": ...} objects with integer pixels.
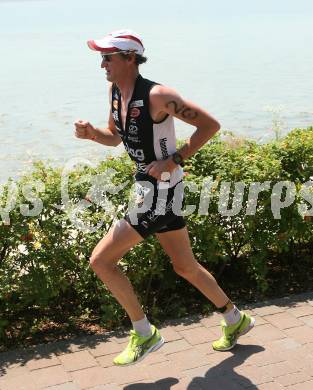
[{"x": 240, "y": 61}]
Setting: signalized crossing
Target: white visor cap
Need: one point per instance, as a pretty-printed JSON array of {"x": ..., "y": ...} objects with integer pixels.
[{"x": 121, "y": 40}]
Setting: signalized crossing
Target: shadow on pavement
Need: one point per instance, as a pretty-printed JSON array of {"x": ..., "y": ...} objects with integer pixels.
[
  {"x": 219, "y": 377},
  {"x": 163, "y": 384},
  {"x": 45, "y": 351},
  {"x": 223, "y": 375}
]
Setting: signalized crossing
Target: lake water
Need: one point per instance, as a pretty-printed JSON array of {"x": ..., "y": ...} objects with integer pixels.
[{"x": 245, "y": 63}]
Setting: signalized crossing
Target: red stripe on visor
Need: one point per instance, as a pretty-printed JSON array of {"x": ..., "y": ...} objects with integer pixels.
[
  {"x": 132, "y": 38},
  {"x": 93, "y": 46}
]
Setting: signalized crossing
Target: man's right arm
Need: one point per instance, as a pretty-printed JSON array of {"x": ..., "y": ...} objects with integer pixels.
[{"x": 107, "y": 136}]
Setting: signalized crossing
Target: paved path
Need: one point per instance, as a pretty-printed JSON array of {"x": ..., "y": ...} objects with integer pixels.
[{"x": 276, "y": 354}]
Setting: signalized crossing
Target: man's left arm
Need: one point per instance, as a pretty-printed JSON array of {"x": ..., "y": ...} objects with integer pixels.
[{"x": 167, "y": 100}]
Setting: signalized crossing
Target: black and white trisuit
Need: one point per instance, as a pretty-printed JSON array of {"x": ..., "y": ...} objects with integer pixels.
[{"x": 146, "y": 141}]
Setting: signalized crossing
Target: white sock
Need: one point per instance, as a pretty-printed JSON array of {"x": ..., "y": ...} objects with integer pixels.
[
  {"x": 143, "y": 327},
  {"x": 232, "y": 316}
]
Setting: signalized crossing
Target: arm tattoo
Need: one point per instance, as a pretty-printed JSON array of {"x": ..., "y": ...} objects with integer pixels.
[{"x": 185, "y": 112}]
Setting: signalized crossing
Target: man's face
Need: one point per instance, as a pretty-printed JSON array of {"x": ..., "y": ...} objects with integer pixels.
[{"x": 114, "y": 65}]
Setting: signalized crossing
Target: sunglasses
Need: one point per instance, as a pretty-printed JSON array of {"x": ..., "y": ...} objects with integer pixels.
[{"x": 108, "y": 57}]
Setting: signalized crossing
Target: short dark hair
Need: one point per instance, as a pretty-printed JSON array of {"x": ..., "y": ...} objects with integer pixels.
[{"x": 139, "y": 59}]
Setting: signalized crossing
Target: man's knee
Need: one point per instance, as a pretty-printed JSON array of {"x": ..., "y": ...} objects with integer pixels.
[
  {"x": 101, "y": 262},
  {"x": 94, "y": 261},
  {"x": 187, "y": 271}
]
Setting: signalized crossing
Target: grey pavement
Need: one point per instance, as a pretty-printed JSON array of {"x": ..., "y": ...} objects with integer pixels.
[{"x": 276, "y": 354}]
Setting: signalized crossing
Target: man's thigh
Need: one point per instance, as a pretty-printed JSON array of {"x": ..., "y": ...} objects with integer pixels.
[
  {"x": 117, "y": 242},
  {"x": 177, "y": 246}
]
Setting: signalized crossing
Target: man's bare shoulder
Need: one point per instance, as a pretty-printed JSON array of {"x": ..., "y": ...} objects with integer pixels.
[
  {"x": 161, "y": 95},
  {"x": 162, "y": 92}
]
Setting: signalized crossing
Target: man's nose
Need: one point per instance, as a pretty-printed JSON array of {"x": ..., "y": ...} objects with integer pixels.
[{"x": 103, "y": 63}]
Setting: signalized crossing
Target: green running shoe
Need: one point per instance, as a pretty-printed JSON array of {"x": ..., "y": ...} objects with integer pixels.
[
  {"x": 231, "y": 333},
  {"x": 139, "y": 347}
]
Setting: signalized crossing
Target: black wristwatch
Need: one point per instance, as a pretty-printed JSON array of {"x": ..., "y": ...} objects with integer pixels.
[{"x": 178, "y": 159}]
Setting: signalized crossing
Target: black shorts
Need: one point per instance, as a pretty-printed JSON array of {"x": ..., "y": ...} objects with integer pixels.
[{"x": 156, "y": 209}]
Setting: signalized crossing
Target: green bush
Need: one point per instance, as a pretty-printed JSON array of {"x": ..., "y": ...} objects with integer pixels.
[{"x": 44, "y": 259}]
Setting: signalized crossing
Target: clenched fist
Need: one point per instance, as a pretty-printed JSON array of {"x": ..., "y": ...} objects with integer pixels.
[{"x": 83, "y": 129}]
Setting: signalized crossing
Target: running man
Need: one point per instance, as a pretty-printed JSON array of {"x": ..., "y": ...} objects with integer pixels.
[{"x": 141, "y": 116}]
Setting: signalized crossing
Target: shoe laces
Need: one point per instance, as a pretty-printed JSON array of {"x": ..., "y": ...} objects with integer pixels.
[
  {"x": 225, "y": 329},
  {"x": 133, "y": 337},
  {"x": 134, "y": 341}
]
